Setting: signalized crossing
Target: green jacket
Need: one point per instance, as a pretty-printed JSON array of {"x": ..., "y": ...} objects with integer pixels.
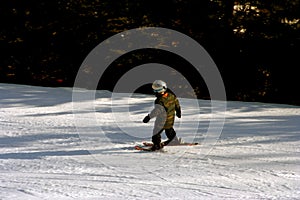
[{"x": 165, "y": 107}]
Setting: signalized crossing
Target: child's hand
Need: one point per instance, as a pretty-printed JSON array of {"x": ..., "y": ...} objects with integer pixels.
[{"x": 146, "y": 119}]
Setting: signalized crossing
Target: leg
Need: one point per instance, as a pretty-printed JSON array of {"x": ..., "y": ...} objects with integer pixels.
[
  {"x": 170, "y": 133},
  {"x": 156, "y": 139}
]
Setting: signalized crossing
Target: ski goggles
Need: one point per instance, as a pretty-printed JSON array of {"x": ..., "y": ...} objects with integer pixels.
[{"x": 158, "y": 90}]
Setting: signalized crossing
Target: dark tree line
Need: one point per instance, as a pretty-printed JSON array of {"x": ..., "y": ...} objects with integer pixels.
[{"x": 254, "y": 43}]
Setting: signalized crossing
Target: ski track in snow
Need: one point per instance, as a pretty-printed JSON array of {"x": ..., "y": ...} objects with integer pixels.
[{"x": 43, "y": 155}]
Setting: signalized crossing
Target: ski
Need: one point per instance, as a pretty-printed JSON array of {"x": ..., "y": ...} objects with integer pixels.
[
  {"x": 142, "y": 148},
  {"x": 146, "y": 146},
  {"x": 150, "y": 144}
]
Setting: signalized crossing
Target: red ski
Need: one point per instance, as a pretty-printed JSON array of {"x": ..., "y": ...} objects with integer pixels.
[
  {"x": 142, "y": 148},
  {"x": 150, "y": 144}
]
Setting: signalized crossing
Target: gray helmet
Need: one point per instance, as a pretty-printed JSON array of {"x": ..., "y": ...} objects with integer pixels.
[{"x": 159, "y": 86}]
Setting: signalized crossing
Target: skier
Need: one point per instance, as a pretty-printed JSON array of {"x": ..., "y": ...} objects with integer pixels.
[{"x": 166, "y": 106}]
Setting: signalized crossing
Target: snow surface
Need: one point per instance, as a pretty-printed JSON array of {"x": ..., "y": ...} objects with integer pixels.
[{"x": 52, "y": 149}]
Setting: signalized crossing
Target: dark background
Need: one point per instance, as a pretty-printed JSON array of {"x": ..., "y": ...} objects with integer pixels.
[{"x": 255, "y": 44}]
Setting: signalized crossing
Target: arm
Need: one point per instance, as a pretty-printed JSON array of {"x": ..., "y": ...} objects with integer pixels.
[
  {"x": 158, "y": 109},
  {"x": 177, "y": 108}
]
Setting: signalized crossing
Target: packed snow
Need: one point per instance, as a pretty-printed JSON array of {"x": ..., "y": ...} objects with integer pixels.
[{"x": 51, "y": 148}]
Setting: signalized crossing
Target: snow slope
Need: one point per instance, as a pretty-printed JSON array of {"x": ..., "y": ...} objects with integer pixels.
[{"x": 48, "y": 151}]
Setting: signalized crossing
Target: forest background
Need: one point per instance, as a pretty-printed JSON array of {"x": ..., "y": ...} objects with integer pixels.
[{"x": 255, "y": 44}]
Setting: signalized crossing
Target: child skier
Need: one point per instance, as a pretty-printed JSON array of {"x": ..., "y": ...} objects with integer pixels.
[{"x": 166, "y": 106}]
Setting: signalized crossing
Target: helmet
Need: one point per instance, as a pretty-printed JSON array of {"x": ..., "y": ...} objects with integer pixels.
[{"x": 159, "y": 86}]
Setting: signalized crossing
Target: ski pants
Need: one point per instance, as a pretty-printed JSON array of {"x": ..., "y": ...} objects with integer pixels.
[{"x": 170, "y": 133}]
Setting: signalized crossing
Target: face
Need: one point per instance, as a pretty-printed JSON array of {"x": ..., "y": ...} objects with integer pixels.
[{"x": 158, "y": 94}]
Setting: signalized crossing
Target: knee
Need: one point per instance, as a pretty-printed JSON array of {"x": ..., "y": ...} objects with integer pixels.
[{"x": 170, "y": 133}]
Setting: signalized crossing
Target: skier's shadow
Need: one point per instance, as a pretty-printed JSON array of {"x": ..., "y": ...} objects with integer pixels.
[{"x": 117, "y": 136}]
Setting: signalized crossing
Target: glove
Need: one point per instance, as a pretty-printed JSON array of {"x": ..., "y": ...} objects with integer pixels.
[
  {"x": 146, "y": 119},
  {"x": 178, "y": 114}
]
